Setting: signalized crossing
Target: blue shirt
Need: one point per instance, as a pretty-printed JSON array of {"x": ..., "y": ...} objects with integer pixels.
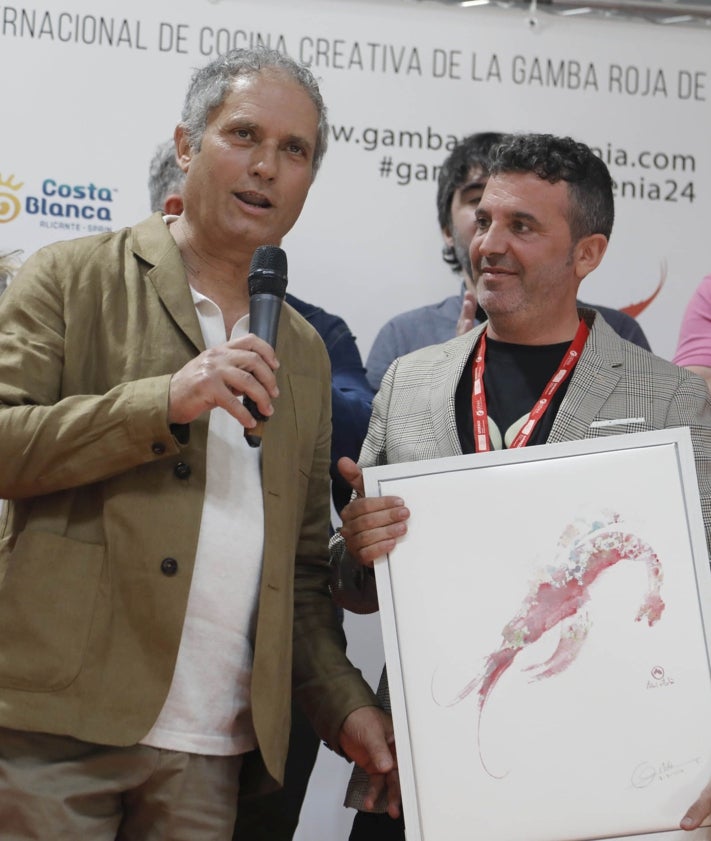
[{"x": 351, "y": 396}]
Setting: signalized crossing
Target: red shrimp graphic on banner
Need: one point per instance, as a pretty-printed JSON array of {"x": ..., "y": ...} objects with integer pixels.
[
  {"x": 558, "y": 597},
  {"x": 640, "y": 306}
]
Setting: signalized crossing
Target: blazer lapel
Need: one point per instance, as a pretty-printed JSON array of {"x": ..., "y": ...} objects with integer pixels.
[
  {"x": 297, "y": 403},
  {"x": 153, "y": 243},
  {"x": 594, "y": 379},
  {"x": 447, "y": 370}
]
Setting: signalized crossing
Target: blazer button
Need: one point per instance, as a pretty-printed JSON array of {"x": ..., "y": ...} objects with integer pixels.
[
  {"x": 168, "y": 566},
  {"x": 182, "y": 470},
  {"x": 158, "y": 448}
]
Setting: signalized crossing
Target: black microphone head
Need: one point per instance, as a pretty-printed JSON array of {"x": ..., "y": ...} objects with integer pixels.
[{"x": 267, "y": 271}]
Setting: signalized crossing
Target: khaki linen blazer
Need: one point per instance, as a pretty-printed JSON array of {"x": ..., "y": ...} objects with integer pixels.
[{"x": 98, "y": 542}]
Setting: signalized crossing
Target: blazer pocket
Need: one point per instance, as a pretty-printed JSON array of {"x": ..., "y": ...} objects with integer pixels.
[{"x": 47, "y": 602}]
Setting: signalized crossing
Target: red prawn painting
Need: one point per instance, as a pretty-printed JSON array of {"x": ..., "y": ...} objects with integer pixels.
[{"x": 558, "y": 598}]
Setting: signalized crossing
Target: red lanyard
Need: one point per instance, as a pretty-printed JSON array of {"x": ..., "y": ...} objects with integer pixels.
[{"x": 479, "y": 410}]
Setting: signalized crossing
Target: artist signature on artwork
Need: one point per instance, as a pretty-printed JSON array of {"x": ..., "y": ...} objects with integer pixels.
[
  {"x": 647, "y": 773},
  {"x": 660, "y": 679}
]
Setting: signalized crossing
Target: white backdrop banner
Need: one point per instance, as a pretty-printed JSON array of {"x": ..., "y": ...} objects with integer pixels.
[{"x": 88, "y": 94}]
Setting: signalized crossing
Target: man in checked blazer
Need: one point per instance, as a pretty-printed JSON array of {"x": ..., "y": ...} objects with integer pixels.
[
  {"x": 543, "y": 224},
  {"x": 162, "y": 583}
]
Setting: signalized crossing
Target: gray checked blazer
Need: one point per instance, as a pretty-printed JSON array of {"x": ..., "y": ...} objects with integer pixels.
[{"x": 616, "y": 387}]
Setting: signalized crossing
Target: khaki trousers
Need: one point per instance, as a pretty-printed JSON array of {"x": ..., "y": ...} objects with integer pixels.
[{"x": 54, "y": 788}]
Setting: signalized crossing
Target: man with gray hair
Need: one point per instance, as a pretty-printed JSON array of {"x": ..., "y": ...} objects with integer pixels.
[
  {"x": 165, "y": 583},
  {"x": 165, "y": 180},
  {"x": 275, "y": 816}
]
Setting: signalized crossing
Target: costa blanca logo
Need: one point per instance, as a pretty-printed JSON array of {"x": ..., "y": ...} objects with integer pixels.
[
  {"x": 10, "y": 204},
  {"x": 85, "y": 202}
]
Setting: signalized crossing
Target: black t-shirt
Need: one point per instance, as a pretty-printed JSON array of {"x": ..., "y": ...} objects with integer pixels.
[{"x": 514, "y": 378}]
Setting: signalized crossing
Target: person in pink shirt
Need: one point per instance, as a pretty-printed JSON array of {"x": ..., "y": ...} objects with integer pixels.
[{"x": 693, "y": 350}]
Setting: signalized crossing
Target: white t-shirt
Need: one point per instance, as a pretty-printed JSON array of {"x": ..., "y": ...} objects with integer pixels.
[{"x": 208, "y": 708}]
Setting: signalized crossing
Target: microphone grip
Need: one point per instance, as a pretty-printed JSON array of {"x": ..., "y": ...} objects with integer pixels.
[
  {"x": 264, "y": 311},
  {"x": 254, "y": 436}
]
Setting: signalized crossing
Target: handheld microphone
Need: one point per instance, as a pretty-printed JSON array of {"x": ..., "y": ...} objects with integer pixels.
[{"x": 267, "y": 287}]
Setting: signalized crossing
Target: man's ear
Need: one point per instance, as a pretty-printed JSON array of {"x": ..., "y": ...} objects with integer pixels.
[
  {"x": 587, "y": 254},
  {"x": 173, "y": 204},
  {"x": 447, "y": 236},
  {"x": 184, "y": 153}
]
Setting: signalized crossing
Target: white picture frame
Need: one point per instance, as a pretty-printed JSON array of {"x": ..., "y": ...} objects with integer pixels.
[{"x": 598, "y": 724}]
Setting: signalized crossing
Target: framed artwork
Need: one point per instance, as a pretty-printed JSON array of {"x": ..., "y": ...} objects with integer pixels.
[{"x": 546, "y": 630}]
